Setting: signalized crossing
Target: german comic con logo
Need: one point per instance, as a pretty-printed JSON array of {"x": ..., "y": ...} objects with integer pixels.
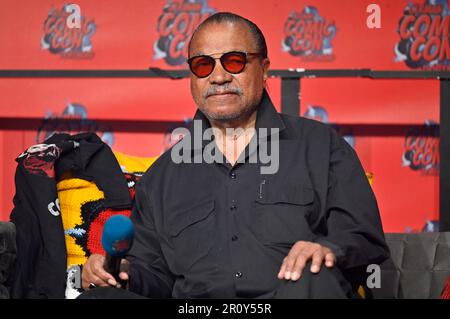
[
  {"x": 424, "y": 31},
  {"x": 430, "y": 226},
  {"x": 309, "y": 36},
  {"x": 73, "y": 120},
  {"x": 68, "y": 42},
  {"x": 422, "y": 148},
  {"x": 175, "y": 27}
]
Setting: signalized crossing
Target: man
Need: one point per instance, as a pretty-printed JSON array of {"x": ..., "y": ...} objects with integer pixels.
[{"x": 223, "y": 229}]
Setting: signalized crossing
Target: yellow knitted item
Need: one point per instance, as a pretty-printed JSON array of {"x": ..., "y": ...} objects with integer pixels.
[
  {"x": 73, "y": 193},
  {"x": 134, "y": 164}
]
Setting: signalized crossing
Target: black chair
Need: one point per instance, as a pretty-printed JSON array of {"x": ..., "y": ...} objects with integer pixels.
[{"x": 418, "y": 268}]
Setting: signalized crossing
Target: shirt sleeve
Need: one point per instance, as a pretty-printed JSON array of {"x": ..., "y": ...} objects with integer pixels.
[
  {"x": 353, "y": 226},
  {"x": 149, "y": 274}
]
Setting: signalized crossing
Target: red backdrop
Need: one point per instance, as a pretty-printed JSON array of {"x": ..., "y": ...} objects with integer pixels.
[{"x": 310, "y": 34}]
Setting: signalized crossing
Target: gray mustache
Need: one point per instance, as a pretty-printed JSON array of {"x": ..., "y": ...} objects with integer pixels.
[{"x": 221, "y": 89}]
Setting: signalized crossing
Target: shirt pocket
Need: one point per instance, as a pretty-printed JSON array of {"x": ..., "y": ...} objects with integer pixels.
[
  {"x": 191, "y": 231},
  {"x": 281, "y": 215}
]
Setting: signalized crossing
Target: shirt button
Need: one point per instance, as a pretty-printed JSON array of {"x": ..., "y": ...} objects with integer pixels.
[
  {"x": 233, "y": 175},
  {"x": 238, "y": 274},
  {"x": 234, "y": 238}
]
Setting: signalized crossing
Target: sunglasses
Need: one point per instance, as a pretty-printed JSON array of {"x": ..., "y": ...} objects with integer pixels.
[{"x": 233, "y": 62}]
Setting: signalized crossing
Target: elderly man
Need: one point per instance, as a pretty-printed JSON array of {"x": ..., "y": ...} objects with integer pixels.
[{"x": 224, "y": 229}]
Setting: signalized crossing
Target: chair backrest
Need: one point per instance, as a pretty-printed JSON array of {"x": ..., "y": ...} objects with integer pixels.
[{"x": 418, "y": 268}]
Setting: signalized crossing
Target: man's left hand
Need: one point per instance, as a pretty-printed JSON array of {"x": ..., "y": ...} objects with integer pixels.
[{"x": 300, "y": 254}]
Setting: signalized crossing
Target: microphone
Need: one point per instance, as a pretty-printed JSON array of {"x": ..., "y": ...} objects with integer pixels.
[{"x": 117, "y": 238}]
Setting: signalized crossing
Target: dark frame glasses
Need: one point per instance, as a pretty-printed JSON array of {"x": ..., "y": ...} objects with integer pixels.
[{"x": 233, "y": 62}]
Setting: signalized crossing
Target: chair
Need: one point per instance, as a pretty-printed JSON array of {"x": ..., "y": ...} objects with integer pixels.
[{"x": 418, "y": 268}]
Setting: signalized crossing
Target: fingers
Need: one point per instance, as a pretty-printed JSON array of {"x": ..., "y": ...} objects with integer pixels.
[
  {"x": 124, "y": 265},
  {"x": 124, "y": 268},
  {"x": 97, "y": 282},
  {"x": 300, "y": 263},
  {"x": 330, "y": 259},
  {"x": 317, "y": 259},
  {"x": 103, "y": 275},
  {"x": 287, "y": 267},
  {"x": 290, "y": 262},
  {"x": 99, "y": 271},
  {"x": 300, "y": 254},
  {"x": 293, "y": 264},
  {"x": 282, "y": 271},
  {"x": 124, "y": 276},
  {"x": 94, "y": 273}
]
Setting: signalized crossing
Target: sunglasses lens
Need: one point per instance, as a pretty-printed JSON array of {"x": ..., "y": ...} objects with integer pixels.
[
  {"x": 202, "y": 66},
  {"x": 234, "y": 62}
]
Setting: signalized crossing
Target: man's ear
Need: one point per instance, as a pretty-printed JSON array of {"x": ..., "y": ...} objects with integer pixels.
[{"x": 265, "y": 66}]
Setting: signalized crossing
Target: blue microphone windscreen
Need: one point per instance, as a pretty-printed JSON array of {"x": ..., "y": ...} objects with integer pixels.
[{"x": 117, "y": 236}]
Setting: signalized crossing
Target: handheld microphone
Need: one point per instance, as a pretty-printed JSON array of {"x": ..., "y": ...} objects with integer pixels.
[{"x": 117, "y": 238}]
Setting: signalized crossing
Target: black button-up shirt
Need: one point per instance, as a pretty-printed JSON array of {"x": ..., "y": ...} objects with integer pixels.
[{"x": 221, "y": 231}]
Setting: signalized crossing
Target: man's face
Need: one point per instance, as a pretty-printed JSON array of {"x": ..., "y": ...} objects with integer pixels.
[{"x": 222, "y": 95}]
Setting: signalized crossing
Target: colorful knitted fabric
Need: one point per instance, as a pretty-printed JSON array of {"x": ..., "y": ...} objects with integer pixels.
[{"x": 83, "y": 212}]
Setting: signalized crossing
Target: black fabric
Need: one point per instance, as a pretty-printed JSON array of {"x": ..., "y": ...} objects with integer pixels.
[
  {"x": 109, "y": 293},
  {"x": 217, "y": 231},
  {"x": 329, "y": 283},
  {"x": 41, "y": 252},
  {"x": 7, "y": 255},
  {"x": 93, "y": 160}
]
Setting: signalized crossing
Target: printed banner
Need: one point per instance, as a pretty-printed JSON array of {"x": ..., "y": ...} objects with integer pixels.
[{"x": 315, "y": 34}]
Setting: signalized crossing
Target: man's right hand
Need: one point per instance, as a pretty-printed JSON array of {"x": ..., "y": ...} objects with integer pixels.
[{"x": 95, "y": 274}]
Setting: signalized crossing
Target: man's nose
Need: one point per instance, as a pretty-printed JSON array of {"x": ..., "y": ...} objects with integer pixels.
[{"x": 219, "y": 75}]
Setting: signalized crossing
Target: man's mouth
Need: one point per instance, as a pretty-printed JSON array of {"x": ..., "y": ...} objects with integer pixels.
[{"x": 222, "y": 94}]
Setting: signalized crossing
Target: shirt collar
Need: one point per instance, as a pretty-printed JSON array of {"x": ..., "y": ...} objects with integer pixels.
[
  {"x": 267, "y": 121},
  {"x": 267, "y": 117}
]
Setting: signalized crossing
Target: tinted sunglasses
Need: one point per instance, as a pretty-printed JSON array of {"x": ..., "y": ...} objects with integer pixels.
[{"x": 233, "y": 62}]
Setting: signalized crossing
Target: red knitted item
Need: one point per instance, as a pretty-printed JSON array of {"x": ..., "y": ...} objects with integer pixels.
[{"x": 446, "y": 291}]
